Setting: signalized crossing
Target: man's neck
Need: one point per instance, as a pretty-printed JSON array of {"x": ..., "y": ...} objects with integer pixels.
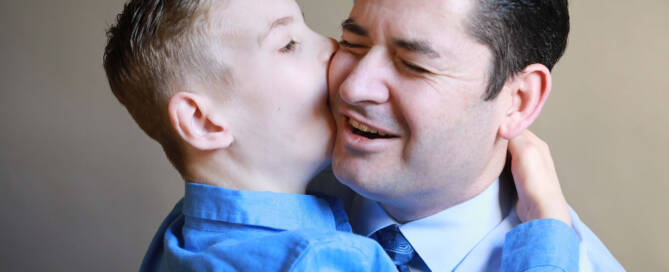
[{"x": 414, "y": 207}]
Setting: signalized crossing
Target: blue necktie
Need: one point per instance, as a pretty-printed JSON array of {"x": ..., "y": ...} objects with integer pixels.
[{"x": 397, "y": 247}]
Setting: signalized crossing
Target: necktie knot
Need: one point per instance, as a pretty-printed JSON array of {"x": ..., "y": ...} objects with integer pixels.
[{"x": 396, "y": 245}]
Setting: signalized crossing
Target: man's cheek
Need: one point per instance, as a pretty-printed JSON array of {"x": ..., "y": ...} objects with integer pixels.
[{"x": 341, "y": 65}]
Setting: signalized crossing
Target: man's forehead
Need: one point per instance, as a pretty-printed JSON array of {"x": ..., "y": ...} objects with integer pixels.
[
  {"x": 413, "y": 18},
  {"x": 458, "y": 8},
  {"x": 416, "y": 24}
]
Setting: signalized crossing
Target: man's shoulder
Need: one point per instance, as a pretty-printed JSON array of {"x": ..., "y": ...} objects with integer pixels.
[{"x": 593, "y": 254}]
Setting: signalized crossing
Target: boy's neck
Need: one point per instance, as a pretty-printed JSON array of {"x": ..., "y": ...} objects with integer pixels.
[{"x": 228, "y": 173}]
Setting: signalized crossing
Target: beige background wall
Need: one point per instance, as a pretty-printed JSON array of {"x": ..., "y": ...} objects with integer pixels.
[{"x": 84, "y": 190}]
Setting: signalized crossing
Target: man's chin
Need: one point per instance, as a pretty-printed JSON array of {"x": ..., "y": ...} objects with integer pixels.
[{"x": 355, "y": 178}]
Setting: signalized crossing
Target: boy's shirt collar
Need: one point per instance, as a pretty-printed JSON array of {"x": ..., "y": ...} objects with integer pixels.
[{"x": 279, "y": 211}]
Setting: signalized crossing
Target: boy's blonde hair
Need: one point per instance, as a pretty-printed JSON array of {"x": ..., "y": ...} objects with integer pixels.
[{"x": 158, "y": 48}]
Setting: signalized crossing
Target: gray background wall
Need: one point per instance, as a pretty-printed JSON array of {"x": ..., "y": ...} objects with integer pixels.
[{"x": 84, "y": 189}]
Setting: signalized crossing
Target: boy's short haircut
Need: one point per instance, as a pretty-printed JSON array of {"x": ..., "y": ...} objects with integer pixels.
[{"x": 157, "y": 48}]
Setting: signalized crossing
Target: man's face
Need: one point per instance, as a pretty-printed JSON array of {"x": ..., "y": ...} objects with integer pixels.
[
  {"x": 407, "y": 91},
  {"x": 278, "y": 95}
]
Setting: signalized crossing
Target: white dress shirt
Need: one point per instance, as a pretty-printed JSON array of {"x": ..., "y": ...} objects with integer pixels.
[{"x": 470, "y": 236}]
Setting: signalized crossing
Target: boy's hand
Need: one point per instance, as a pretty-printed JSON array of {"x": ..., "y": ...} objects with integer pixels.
[{"x": 539, "y": 193}]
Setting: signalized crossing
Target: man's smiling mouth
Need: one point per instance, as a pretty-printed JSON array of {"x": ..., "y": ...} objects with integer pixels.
[{"x": 367, "y": 132}]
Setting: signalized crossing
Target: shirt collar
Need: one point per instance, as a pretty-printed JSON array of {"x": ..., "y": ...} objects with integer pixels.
[
  {"x": 444, "y": 239},
  {"x": 265, "y": 209}
]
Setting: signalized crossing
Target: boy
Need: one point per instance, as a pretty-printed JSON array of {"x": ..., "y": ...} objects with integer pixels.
[{"x": 235, "y": 93}]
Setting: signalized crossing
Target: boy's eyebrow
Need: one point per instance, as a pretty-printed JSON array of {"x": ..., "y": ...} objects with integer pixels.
[
  {"x": 351, "y": 26},
  {"x": 278, "y": 22},
  {"x": 417, "y": 46}
]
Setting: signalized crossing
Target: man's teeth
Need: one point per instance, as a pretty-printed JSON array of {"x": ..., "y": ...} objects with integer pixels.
[{"x": 364, "y": 128}]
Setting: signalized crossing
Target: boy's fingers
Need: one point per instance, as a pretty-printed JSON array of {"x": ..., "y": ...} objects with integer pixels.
[
  {"x": 536, "y": 180},
  {"x": 522, "y": 144},
  {"x": 530, "y": 149},
  {"x": 526, "y": 140}
]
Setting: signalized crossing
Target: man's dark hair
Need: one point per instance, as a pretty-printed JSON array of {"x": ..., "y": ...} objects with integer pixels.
[{"x": 519, "y": 33}]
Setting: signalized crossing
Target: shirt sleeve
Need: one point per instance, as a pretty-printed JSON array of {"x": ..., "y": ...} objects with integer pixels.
[
  {"x": 344, "y": 254},
  {"x": 540, "y": 246}
]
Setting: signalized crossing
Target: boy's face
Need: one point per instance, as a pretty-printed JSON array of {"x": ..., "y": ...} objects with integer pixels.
[{"x": 278, "y": 95}]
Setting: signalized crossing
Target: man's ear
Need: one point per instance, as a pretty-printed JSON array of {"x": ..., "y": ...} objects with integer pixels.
[
  {"x": 529, "y": 90},
  {"x": 196, "y": 123}
]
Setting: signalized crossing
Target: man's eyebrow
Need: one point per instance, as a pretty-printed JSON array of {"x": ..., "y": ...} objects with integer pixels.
[
  {"x": 278, "y": 22},
  {"x": 418, "y": 46},
  {"x": 351, "y": 26}
]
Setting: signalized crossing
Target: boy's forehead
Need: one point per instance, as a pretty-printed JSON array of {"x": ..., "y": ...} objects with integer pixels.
[
  {"x": 250, "y": 14},
  {"x": 253, "y": 18}
]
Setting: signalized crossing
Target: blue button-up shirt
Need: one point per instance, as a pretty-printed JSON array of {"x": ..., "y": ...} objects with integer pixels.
[{"x": 216, "y": 229}]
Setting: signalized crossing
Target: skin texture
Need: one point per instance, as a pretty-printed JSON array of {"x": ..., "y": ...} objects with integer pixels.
[
  {"x": 446, "y": 150},
  {"x": 270, "y": 127},
  {"x": 539, "y": 193},
  {"x": 422, "y": 79}
]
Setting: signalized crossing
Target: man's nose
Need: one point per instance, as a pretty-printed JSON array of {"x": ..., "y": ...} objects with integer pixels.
[{"x": 367, "y": 82}]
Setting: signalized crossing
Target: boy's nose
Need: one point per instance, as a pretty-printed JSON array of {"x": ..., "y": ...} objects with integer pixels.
[{"x": 331, "y": 46}]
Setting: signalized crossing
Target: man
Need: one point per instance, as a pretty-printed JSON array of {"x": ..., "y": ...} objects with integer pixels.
[{"x": 426, "y": 96}]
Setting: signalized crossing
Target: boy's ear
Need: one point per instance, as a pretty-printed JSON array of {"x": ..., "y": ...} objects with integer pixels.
[
  {"x": 196, "y": 123},
  {"x": 528, "y": 90}
]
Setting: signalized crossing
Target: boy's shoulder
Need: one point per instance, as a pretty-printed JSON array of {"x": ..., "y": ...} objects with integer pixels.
[
  {"x": 178, "y": 246},
  {"x": 301, "y": 250}
]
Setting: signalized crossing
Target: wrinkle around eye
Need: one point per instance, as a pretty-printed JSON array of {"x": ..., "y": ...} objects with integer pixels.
[
  {"x": 348, "y": 44},
  {"x": 411, "y": 69},
  {"x": 356, "y": 49},
  {"x": 433, "y": 85},
  {"x": 415, "y": 68}
]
